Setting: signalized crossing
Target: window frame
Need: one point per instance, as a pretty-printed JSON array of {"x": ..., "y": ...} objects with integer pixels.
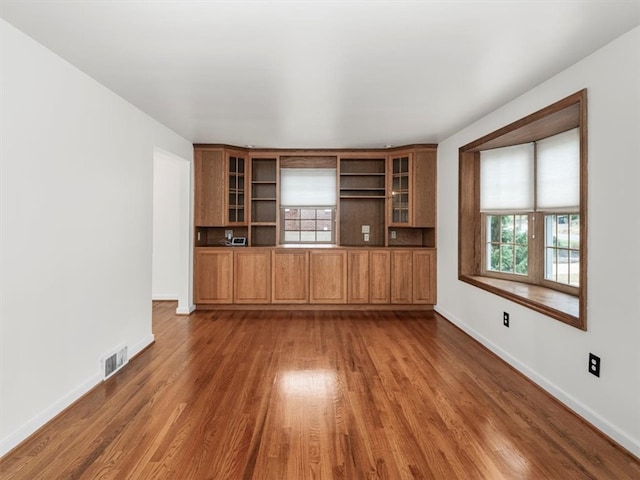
[{"x": 559, "y": 301}]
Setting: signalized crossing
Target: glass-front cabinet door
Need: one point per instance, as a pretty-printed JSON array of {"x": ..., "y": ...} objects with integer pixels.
[
  {"x": 236, "y": 191},
  {"x": 400, "y": 190}
]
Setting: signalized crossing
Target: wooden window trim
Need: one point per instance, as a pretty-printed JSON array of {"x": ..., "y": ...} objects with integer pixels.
[{"x": 566, "y": 114}]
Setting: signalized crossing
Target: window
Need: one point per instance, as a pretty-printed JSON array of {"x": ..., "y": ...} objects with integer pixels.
[
  {"x": 508, "y": 244},
  {"x": 529, "y": 181},
  {"x": 308, "y": 205},
  {"x": 522, "y": 211},
  {"x": 308, "y": 225}
]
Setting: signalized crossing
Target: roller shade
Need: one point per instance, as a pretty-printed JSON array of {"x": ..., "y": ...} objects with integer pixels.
[
  {"x": 506, "y": 178},
  {"x": 558, "y": 172},
  {"x": 307, "y": 187}
]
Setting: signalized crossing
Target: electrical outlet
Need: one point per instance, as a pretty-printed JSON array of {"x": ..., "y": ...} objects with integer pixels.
[
  {"x": 228, "y": 234},
  {"x": 393, "y": 234},
  {"x": 366, "y": 237},
  {"x": 594, "y": 365},
  {"x": 505, "y": 319}
]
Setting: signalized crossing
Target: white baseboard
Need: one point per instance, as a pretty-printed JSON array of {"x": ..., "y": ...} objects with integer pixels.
[
  {"x": 19, "y": 435},
  {"x": 567, "y": 399},
  {"x": 141, "y": 345},
  {"x": 186, "y": 310}
]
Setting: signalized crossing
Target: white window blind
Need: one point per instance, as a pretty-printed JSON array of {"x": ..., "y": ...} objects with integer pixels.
[
  {"x": 506, "y": 179},
  {"x": 302, "y": 187},
  {"x": 558, "y": 172}
]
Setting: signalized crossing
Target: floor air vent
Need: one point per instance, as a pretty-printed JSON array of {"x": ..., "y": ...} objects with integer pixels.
[{"x": 112, "y": 363}]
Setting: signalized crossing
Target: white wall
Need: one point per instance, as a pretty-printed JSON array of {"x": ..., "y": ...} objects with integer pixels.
[
  {"x": 165, "y": 280},
  {"x": 551, "y": 353},
  {"x": 76, "y": 231}
]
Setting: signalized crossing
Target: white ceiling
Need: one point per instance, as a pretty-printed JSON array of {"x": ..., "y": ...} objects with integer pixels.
[{"x": 321, "y": 73}]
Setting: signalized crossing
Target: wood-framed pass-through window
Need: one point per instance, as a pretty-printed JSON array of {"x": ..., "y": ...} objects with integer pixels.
[{"x": 523, "y": 211}]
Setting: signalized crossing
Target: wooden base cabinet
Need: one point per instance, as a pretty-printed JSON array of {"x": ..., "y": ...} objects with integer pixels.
[
  {"x": 328, "y": 276},
  {"x": 380, "y": 276},
  {"x": 358, "y": 276},
  {"x": 289, "y": 276},
  {"x": 424, "y": 276},
  {"x": 252, "y": 279},
  {"x": 377, "y": 277},
  {"x": 401, "y": 276},
  {"x": 213, "y": 275}
]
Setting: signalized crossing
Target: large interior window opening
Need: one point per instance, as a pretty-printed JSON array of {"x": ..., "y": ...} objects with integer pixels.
[{"x": 523, "y": 211}]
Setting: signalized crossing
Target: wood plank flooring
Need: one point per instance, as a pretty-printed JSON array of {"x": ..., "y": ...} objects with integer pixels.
[{"x": 316, "y": 395}]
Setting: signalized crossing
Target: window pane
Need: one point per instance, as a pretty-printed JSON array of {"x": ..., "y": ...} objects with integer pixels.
[
  {"x": 574, "y": 269},
  {"x": 574, "y": 232},
  {"x": 291, "y": 213},
  {"x": 562, "y": 255},
  {"x": 307, "y": 213},
  {"x": 291, "y": 236},
  {"x": 308, "y": 236},
  {"x": 324, "y": 214},
  {"x": 307, "y": 225},
  {"x": 324, "y": 237},
  {"x": 550, "y": 264},
  {"x": 324, "y": 225},
  {"x": 522, "y": 229},
  {"x": 506, "y": 258},
  {"x": 292, "y": 225},
  {"x": 507, "y": 229},
  {"x": 493, "y": 256},
  {"x": 522, "y": 260},
  {"x": 493, "y": 226}
]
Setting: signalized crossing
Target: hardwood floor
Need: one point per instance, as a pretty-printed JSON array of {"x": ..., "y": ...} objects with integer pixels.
[{"x": 316, "y": 395}]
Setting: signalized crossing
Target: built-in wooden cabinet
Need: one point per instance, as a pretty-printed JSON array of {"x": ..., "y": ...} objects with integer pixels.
[
  {"x": 328, "y": 276},
  {"x": 363, "y": 194},
  {"x": 236, "y": 163},
  {"x": 424, "y": 276},
  {"x": 252, "y": 275},
  {"x": 380, "y": 276},
  {"x": 358, "y": 276},
  {"x": 213, "y": 276},
  {"x": 411, "y": 214},
  {"x": 322, "y": 276},
  {"x": 264, "y": 201},
  {"x": 220, "y": 187},
  {"x": 401, "y": 276},
  {"x": 289, "y": 276},
  {"x": 209, "y": 192},
  {"x": 385, "y": 229}
]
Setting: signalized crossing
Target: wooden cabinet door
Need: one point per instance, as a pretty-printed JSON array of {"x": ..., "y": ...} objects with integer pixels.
[
  {"x": 401, "y": 276},
  {"x": 379, "y": 276},
  {"x": 400, "y": 185},
  {"x": 289, "y": 276},
  {"x": 213, "y": 276},
  {"x": 252, "y": 276},
  {"x": 236, "y": 167},
  {"x": 209, "y": 189},
  {"x": 358, "y": 276},
  {"x": 423, "y": 175},
  {"x": 328, "y": 276},
  {"x": 424, "y": 276}
]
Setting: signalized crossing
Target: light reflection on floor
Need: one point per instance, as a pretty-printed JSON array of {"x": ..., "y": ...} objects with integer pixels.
[{"x": 308, "y": 383}]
